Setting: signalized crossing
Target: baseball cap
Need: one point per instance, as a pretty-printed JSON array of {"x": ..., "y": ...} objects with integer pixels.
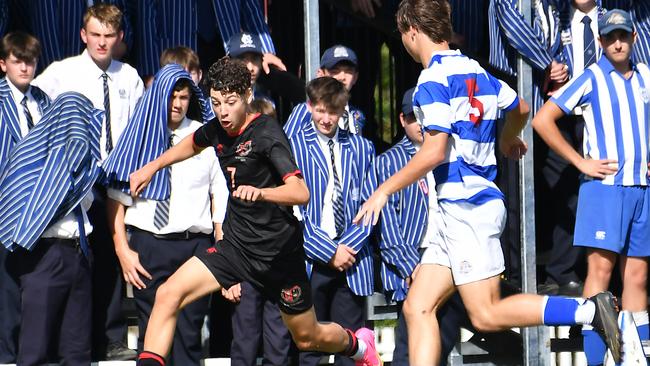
[
  {"x": 336, "y": 54},
  {"x": 613, "y": 20},
  {"x": 407, "y": 102},
  {"x": 243, "y": 42}
]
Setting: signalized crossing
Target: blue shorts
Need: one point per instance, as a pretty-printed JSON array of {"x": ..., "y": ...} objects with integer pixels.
[{"x": 613, "y": 218}]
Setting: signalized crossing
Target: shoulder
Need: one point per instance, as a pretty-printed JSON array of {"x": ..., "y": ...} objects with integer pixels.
[{"x": 125, "y": 71}]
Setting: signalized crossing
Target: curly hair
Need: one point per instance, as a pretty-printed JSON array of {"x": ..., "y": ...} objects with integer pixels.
[{"x": 229, "y": 75}]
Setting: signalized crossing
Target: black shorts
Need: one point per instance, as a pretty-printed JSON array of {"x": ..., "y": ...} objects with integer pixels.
[{"x": 283, "y": 279}]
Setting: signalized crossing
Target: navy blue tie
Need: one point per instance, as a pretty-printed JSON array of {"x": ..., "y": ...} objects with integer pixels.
[
  {"x": 107, "y": 111},
  {"x": 83, "y": 240},
  {"x": 28, "y": 116},
  {"x": 161, "y": 215},
  {"x": 589, "y": 42},
  {"x": 337, "y": 197}
]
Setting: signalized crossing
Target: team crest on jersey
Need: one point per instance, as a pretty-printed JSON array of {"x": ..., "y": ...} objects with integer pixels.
[
  {"x": 219, "y": 148},
  {"x": 291, "y": 296},
  {"x": 244, "y": 148},
  {"x": 644, "y": 95}
]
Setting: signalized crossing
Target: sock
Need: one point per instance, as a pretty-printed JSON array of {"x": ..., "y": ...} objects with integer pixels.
[
  {"x": 594, "y": 346},
  {"x": 356, "y": 347},
  {"x": 146, "y": 358},
  {"x": 567, "y": 311},
  {"x": 641, "y": 321}
]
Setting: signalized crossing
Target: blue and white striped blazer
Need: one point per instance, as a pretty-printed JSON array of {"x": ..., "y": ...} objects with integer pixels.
[
  {"x": 359, "y": 181},
  {"x": 300, "y": 118},
  {"x": 147, "y": 136},
  {"x": 169, "y": 23},
  {"x": 10, "y": 122},
  {"x": 50, "y": 171},
  {"x": 403, "y": 221}
]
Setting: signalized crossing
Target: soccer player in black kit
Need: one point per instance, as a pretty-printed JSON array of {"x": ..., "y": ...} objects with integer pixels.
[{"x": 262, "y": 241}]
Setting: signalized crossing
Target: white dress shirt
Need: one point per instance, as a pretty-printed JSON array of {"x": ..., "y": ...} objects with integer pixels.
[
  {"x": 82, "y": 75},
  {"x": 327, "y": 221},
  {"x": 32, "y": 105},
  {"x": 577, "y": 38},
  {"x": 68, "y": 226},
  {"x": 193, "y": 181}
]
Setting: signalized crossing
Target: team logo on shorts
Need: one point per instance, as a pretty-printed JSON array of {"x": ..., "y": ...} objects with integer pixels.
[
  {"x": 465, "y": 267},
  {"x": 211, "y": 250},
  {"x": 244, "y": 148},
  {"x": 291, "y": 296}
]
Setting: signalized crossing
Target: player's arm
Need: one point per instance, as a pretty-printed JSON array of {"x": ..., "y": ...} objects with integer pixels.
[
  {"x": 430, "y": 156},
  {"x": 179, "y": 152},
  {"x": 545, "y": 123},
  {"x": 293, "y": 192},
  {"x": 509, "y": 143}
]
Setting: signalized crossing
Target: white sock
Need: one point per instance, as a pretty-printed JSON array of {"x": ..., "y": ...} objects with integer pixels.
[
  {"x": 585, "y": 312},
  {"x": 361, "y": 349}
]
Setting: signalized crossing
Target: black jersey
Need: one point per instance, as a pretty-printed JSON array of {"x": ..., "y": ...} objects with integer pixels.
[{"x": 259, "y": 156}]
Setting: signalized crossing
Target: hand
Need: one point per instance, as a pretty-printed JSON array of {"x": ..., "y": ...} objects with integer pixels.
[
  {"x": 131, "y": 267},
  {"x": 558, "y": 72},
  {"x": 139, "y": 179},
  {"x": 598, "y": 169},
  {"x": 233, "y": 294},
  {"x": 343, "y": 258},
  {"x": 248, "y": 193},
  {"x": 365, "y": 7},
  {"x": 411, "y": 278},
  {"x": 269, "y": 59},
  {"x": 514, "y": 148},
  {"x": 371, "y": 209}
]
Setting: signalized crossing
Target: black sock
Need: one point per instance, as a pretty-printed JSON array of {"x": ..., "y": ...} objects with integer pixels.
[
  {"x": 353, "y": 345},
  {"x": 146, "y": 358}
]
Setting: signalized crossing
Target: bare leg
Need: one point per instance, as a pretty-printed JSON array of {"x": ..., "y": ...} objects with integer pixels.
[
  {"x": 490, "y": 313},
  {"x": 431, "y": 288},
  {"x": 634, "y": 271},
  {"x": 600, "y": 264},
  {"x": 190, "y": 282},
  {"x": 310, "y": 335}
]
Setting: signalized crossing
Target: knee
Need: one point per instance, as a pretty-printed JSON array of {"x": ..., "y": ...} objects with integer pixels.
[
  {"x": 168, "y": 297},
  {"x": 416, "y": 312},
  {"x": 636, "y": 278},
  {"x": 484, "y": 321}
]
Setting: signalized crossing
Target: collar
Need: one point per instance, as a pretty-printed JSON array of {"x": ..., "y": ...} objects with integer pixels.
[
  {"x": 409, "y": 146},
  {"x": 436, "y": 56},
  {"x": 608, "y": 68},
  {"x": 17, "y": 94},
  {"x": 577, "y": 15},
  {"x": 95, "y": 69}
]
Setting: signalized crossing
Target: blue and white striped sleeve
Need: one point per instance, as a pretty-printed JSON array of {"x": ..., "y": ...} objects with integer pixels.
[
  {"x": 297, "y": 119},
  {"x": 235, "y": 15},
  {"x": 507, "y": 98},
  {"x": 640, "y": 13},
  {"x": 528, "y": 41},
  {"x": 574, "y": 93},
  {"x": 432, "y": 99}
]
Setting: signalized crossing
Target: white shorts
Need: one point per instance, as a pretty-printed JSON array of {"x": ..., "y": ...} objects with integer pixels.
[{"x": 471, "y": 247}]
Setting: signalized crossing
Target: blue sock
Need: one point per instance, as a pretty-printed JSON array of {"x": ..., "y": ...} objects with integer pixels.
[
  {"x": 594, "y": 347},
  {"x": 560, "y": 310}
]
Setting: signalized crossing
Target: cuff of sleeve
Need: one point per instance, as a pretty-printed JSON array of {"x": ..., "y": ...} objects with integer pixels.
[
  {"x": 512, "y": 105},
  {"x": 119, "y": 196}
]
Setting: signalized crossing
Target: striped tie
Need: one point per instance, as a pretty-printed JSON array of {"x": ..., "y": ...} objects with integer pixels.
[
  {"x": 161, "y": 215},
  {"x": 107, "y": 111},
  {"x": 337, "y": 198},
  {"x": 590, "y": 44},
  {"x": 28, "y": 116}
]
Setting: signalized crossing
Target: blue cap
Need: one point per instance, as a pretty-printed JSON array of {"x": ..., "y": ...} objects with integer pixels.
[
  {"x": 243, "y": 42},
  {"x": 613, "y": 20},
  {"x": 336, "y": 54},
  {"x": 407, "y": 102}
]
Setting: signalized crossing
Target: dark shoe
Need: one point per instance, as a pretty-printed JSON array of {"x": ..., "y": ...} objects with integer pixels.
[
  {"x": 606, "y": 322},
  {"x": 548, "y": 288},
  {"x": 118, "y": 351},
  {"x": 571, "y": 289}
]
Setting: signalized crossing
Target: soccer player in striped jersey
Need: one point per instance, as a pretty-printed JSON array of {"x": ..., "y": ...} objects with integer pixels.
[
  {"x": 458, "y": 103},
  {"x": 614, "y": 201}
]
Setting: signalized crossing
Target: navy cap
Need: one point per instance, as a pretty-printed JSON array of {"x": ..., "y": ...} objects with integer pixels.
[
  {"x": 613, "y": 20},
  {"x": 407, "y": 102},
  {"x": 243, "y": 42},
  {"x": 336, "y": 54}
]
